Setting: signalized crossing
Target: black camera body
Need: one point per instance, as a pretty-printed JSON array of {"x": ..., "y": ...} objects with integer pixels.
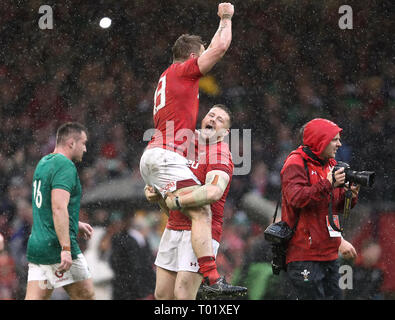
[
  {"x": 363, "y": 178},
  {"x": 278, "y": 234}
]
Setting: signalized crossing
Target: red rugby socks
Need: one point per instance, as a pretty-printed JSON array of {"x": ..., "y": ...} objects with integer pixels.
[{"x": 208, "y": 268}]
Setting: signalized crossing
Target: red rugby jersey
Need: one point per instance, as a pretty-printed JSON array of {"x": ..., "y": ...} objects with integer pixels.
[
  {"x": 210, "y": 157},
  {"x": 176, "y": 106}
]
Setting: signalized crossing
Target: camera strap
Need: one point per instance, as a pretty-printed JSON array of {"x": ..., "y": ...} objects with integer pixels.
[
  {"x": 346, "y": 211},
  {"x": 347, "y": 203},
  {"x": 279, "y": 200}
]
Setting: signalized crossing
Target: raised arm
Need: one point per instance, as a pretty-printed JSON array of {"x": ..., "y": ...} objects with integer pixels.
[{"x": 221, "y": 40}]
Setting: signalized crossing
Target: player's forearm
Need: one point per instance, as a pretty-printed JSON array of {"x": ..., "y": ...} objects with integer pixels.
[
  {"x": 215, "y": 186},
  {"x": 203, "y": 195},
  {"x": 216, "y": 183},
  {"x": 223, "y": 36},
  {"x": 219, "y": 43},
  {"x": 61, "y": 224}
]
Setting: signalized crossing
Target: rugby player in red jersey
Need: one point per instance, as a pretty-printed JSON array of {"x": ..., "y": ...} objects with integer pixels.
[
  {"x": 178, "y": 275},
  {"x": 163, "y": 164}
]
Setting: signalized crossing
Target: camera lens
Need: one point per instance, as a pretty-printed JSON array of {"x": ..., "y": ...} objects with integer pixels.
[{"x": 364, "y": 178}]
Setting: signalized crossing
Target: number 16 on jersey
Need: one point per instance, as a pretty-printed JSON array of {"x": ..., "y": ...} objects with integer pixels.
[{"x": 37, "y": 196}]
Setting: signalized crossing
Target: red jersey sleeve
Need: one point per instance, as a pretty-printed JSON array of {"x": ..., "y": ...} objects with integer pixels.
[
  {"x": 223, "y": 167},
  {"x": 189, "y": 69},
  {"x": 220, "y": 159}
]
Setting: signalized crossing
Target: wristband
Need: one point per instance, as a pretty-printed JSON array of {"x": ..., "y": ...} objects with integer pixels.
[{"x": 66, "y": 248}]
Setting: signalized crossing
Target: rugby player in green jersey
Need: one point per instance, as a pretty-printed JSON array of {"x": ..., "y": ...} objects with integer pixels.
[{"x": 55, "y": 259}]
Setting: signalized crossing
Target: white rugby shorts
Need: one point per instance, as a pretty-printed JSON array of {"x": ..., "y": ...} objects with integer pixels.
[
  {"x": 166, "y": 170},
  {"x": 50, "y": 278},
  {"x": 175, "y": 252}
]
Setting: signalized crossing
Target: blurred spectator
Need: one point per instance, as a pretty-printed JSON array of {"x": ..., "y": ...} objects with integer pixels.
[
  {"x": 132, "y": 260},
  {"x": 1, "y": 242},
  {"x": 97, "y": 255},
  {"x": 259, "y": 178},
  {"x": 256, "y": 273},
  {"x": 17, "y": 244},
  {"x": 374, "y": 240},
  {"x": 367, "y": 276},
  {"x": 8, "y": 277}
]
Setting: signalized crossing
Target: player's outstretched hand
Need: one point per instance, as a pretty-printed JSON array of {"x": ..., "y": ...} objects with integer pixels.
[{"x": 225, "y": 10}]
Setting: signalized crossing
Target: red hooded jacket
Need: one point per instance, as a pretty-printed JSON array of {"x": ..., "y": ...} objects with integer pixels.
[{"x": 310, "y": 201}]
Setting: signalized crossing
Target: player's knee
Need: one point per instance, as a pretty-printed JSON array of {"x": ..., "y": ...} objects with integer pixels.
[
  {"x": 35, "y": 291},
  {"x": 89, "y": 295},
  {"x": 184, "y": 293},
  {"x": 84, "y": 295},
  {"x": 81, "y": 291},
  {"x": 162, "y": 295},
  {"x": 158, "y": 296}
]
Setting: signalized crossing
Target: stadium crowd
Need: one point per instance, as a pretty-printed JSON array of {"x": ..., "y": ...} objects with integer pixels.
[{"x": 288, "y": 62}]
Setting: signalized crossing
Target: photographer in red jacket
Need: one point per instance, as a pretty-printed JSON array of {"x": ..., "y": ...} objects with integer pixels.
[{"x": 307, "y": 184}]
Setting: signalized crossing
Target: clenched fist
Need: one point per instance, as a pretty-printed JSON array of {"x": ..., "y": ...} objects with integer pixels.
[{"x": 225, "y": 10}]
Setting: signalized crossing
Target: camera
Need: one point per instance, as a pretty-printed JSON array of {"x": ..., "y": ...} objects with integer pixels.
[
  {"x": 363, "y": 178},
  {"x": 278, "y": 234}
]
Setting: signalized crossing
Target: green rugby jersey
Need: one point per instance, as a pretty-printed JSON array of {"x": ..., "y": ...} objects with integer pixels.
[{"x": 54, "y": 171}]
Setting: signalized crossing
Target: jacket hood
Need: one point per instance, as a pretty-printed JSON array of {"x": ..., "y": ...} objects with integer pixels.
[
  {"x": 308, "y": 155},
  {"x": 318, "y": 133}
]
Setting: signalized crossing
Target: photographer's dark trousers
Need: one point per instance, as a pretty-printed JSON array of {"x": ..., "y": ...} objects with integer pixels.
[{"x": 315, "y": 280}]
